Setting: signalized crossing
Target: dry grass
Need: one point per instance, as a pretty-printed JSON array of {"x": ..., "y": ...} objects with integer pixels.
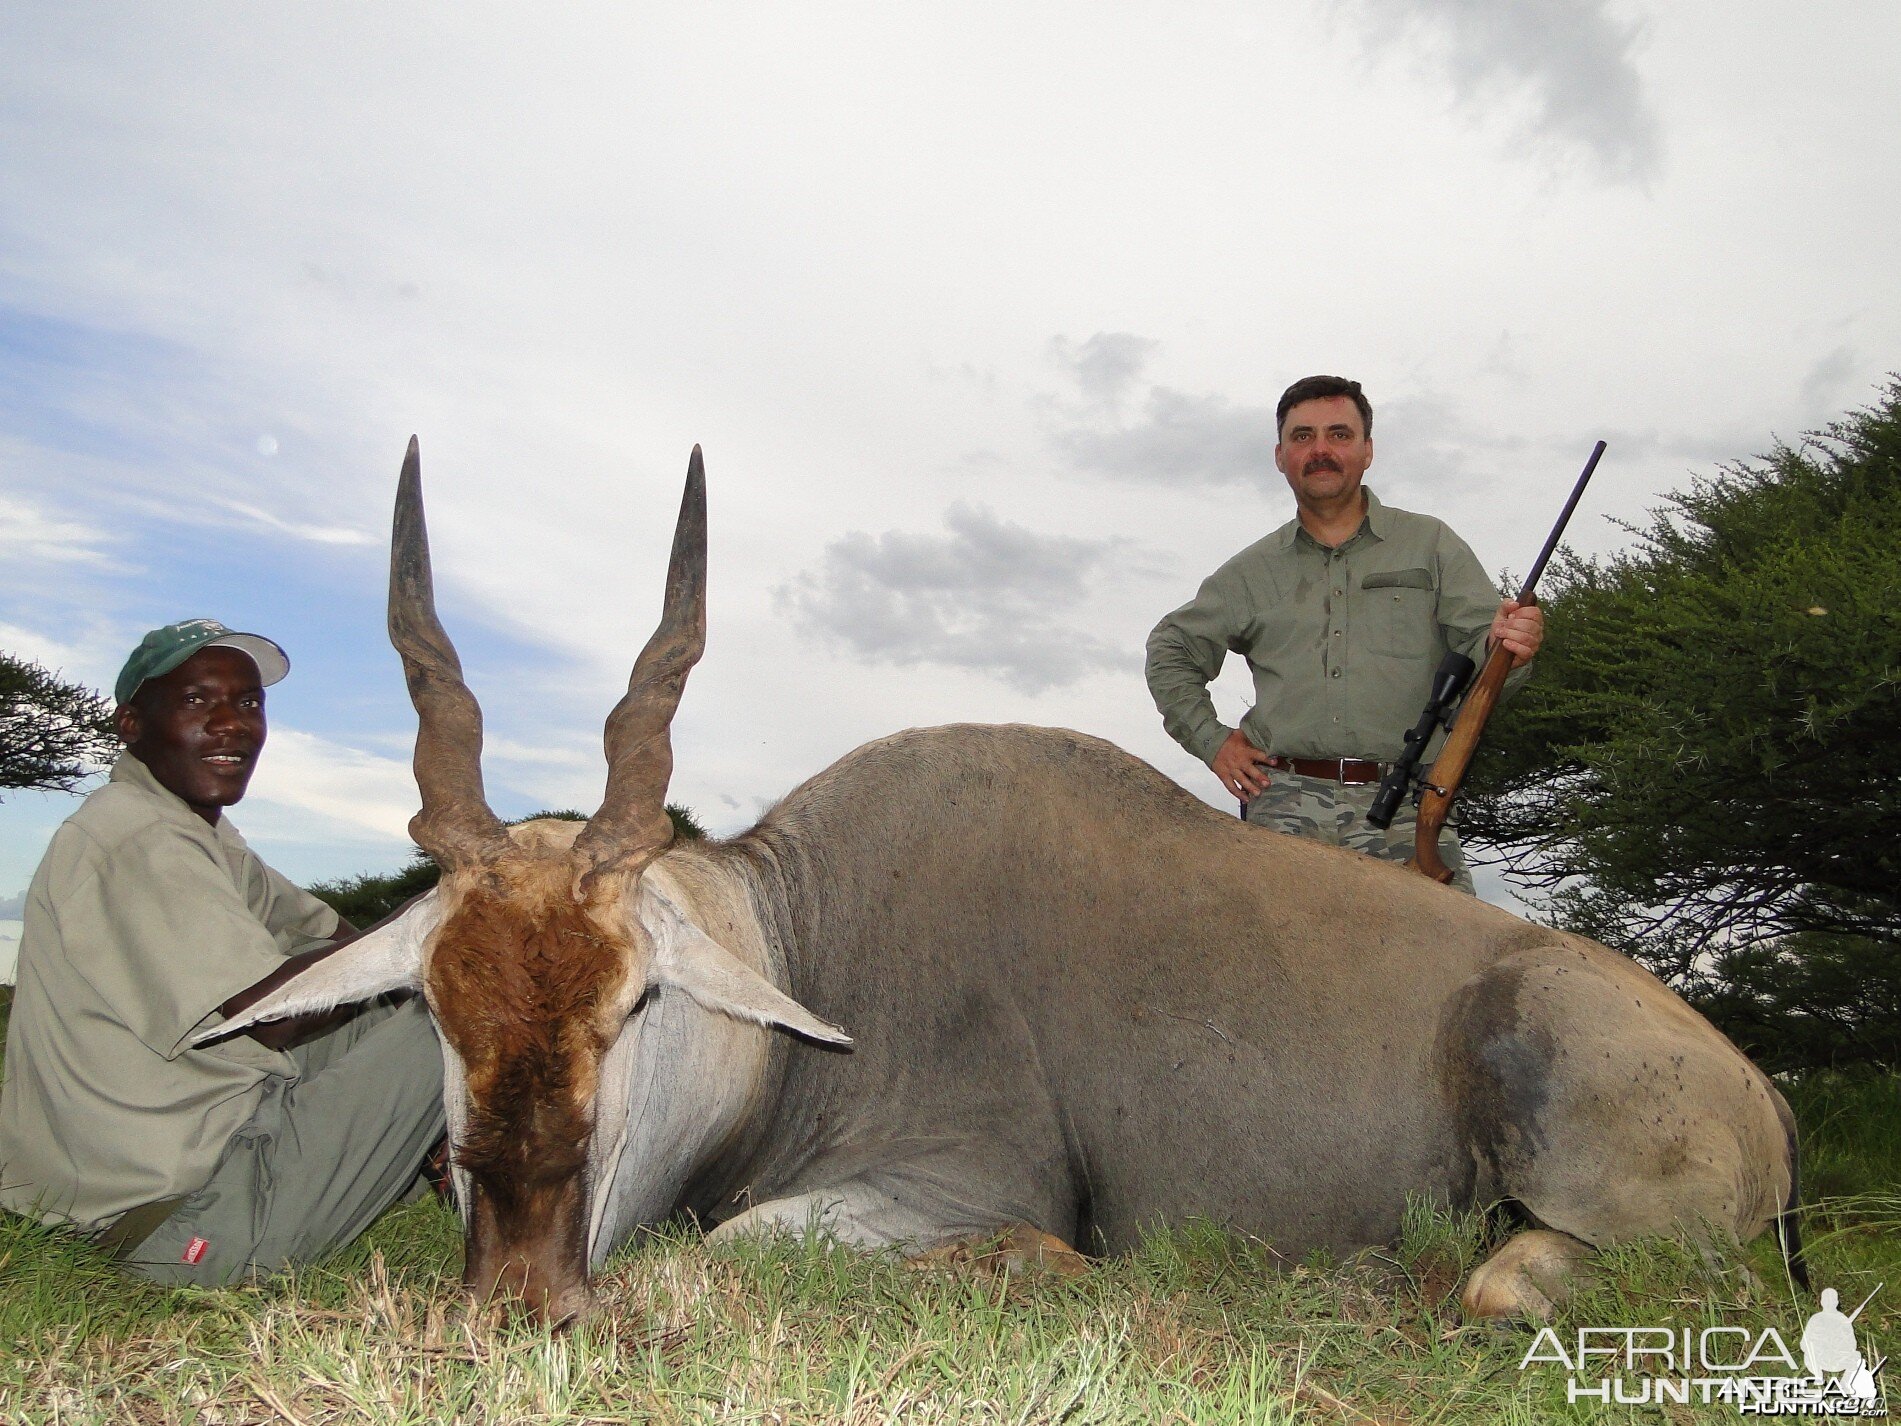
[{"x": 1200, "y": 1326}]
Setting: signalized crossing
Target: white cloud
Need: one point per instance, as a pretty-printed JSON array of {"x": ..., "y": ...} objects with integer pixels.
[
  {"x": 1571, "y": 62},
  {"x": 309, "y": 787},
  {"x": 1106, "y": 365},
  {"x": 1832, "y": 382},
  {"x": 94, "y": 656},
  {"x": 313, "y": 534},
  {"x": 1179, "y": 440},
  {"x": 989, "y": 596},
  {"x": 565, "y": 755},
  {"x": 30, "y": 644},
  {"x": 29, "y": 532}
]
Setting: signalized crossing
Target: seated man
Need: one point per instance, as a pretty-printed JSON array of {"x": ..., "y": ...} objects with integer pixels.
[{"x": 149, "y": 921}]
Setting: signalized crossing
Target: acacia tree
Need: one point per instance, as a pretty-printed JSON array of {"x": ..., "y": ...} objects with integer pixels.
[
  {"x": 1709, "y": 760},
  {"x": 53, "y": 734}
]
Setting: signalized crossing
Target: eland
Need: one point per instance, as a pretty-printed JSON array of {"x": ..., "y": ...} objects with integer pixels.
[{"x": 1082, "y": 1004}]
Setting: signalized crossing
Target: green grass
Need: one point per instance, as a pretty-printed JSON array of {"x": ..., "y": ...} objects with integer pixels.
[
  {"x": 1198, "y": 1326},
  {"x": 1851, "y": 1132},
  {"x": 1851, "y": 1176}
]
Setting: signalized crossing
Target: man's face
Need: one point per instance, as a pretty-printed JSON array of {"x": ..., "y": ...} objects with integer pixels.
[
  {"x": 1324, "y": 449},
  {"x": 199, "y": 728}
]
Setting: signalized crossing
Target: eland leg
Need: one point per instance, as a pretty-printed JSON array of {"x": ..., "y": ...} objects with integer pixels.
[
  {"x": 1608, "y": 1109},
  {"x": 1019, "y": 1246},
  {"x": 855, "y": 1213},
  {"x": 872, "y": 1222},
  {"x": 936, "y": 1213}
]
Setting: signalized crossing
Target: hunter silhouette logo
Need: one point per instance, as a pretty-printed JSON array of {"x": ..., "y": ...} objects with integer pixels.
[{"x": 1830, "y": 1352}]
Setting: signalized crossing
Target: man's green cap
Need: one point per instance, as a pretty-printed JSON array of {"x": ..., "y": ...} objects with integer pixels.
[{"x": 163, "y": 650}]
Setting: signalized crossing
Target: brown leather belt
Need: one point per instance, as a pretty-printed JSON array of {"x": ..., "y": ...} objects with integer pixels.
[{"x": 1349, "y": 770}]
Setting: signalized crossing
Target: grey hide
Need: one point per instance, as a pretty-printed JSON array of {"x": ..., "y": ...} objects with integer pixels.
[{"x": 1082, "y": 999}]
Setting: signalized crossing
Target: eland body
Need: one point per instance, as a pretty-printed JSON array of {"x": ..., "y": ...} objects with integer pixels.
[{"x": 1083, "y": 1002}]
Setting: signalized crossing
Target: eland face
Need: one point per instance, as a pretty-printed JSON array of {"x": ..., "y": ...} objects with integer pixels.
[
  {"x": 535, "y": 963},
  {"x": 530, "y": 988}
]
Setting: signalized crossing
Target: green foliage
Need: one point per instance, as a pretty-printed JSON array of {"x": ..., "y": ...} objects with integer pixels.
[
  {"x": 685, "y": 824},
  {"x": 364, "y": 900},
  {"x": 1851, "y": 1142},
  {"x": 53, "y": 734},
  {"x": 1809, "y": 1001},
  {"x": 1710, "y": 757}
]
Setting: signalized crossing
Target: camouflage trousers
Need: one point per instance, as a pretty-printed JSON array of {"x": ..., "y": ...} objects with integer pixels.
[{"x": 1335, "y": 813}]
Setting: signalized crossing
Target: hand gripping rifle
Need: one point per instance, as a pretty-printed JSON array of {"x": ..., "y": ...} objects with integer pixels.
[{"x": 1441, "y": 784}]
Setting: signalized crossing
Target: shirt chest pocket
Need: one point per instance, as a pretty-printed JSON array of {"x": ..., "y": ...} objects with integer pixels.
[{"x": 1400, "y": 610}]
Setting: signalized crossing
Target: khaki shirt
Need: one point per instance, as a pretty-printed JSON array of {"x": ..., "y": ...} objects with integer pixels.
[
  {"x": 1342, "y": 642},
  {"x": 141, "y": 920}
]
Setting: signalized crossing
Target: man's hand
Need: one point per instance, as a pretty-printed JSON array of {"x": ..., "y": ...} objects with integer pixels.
[
  {"x": 1241, "y": 766},
  {"x": 1521, "y": 629}
]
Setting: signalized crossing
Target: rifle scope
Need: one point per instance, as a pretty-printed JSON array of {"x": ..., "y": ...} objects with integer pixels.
[{"x": 1448, "y": 682}]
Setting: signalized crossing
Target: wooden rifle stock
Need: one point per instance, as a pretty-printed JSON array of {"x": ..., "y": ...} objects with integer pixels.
[
  {"x": 1455, "y": 756},
  {"x": 1441, "y": 785}
]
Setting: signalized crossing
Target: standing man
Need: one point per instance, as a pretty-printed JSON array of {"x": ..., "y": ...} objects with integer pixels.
[
  {"x": 150, "y": 921},
  {"x": 1343, "y": 614}
]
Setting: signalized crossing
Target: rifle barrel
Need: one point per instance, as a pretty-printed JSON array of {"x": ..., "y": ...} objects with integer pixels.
[{"x": 1564, "y": 518}]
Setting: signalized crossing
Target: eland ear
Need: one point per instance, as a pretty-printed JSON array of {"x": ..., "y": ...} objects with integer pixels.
[
  {"x": 388, "y": 958},
  {"x": 690, "y": 960}
]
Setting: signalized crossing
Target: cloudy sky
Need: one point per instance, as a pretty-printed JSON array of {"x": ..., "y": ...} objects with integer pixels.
[{"x": 979, "y": 312}]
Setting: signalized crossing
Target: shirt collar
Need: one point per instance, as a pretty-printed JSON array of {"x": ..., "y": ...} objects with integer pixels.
[
  {"x": 1378, "y": 521},
  {"x": 1378, "y": 518}
]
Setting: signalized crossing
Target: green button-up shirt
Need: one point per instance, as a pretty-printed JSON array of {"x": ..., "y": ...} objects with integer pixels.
[
  {"x": 141, "y": 920},
  {"x": 1342, "y": 642}
]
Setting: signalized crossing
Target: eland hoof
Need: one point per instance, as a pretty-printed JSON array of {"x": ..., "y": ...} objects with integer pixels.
[
  {"x": 1526, "y": 1279},
  {"x": 1017, "y": 1247}
]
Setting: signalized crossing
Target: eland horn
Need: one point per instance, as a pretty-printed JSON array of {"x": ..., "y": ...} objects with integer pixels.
[
  {"x": 455, "y": 826},
  {"x": 632, "y": 827}
]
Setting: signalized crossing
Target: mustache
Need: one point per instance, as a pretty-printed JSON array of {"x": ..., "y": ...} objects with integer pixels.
[{"x": 1320, "y": 463}]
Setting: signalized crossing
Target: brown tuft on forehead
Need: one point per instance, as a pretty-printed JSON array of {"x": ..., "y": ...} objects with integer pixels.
[{"x": 520, "y": 981}]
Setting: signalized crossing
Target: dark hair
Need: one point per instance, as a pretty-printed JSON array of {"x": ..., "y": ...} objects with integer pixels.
[{"x": 1319, "y": 388}]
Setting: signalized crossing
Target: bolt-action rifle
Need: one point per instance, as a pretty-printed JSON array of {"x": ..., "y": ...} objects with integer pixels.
[{"x": 1441, "y": 784}]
